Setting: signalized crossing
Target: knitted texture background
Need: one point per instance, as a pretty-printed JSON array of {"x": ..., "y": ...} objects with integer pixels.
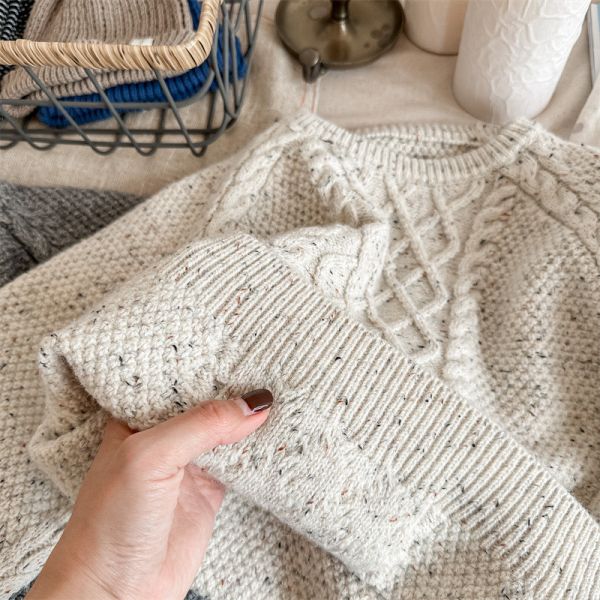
[
  {"x": 421, "y": 301},
  {"x": 164, "y": 21},
  {"x": 13, "y": 18},
  {"x": 36, "y": 223},
  {"x": 180, "y": 87}
]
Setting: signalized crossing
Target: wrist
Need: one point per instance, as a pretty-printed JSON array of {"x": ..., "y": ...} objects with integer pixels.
[
  {"x": 63, "y": 590},
  {"x": 68, "y": 581}
]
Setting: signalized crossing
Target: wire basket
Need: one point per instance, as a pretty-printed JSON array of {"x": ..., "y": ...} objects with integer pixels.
[{"x": 187, "y": 123}]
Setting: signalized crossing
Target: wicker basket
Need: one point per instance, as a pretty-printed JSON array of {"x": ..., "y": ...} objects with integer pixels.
[{"x": 171, "y": 127}]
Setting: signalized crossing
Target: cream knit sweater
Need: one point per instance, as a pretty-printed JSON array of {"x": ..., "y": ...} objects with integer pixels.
[{"x": 423, "y": 302}]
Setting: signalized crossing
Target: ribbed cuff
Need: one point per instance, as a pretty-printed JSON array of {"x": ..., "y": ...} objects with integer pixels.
[
  {"x": 404, "y": 431},
  {"x": 363, "y": 453}
]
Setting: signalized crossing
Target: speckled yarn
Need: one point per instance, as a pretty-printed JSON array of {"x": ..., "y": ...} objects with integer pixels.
[
  {"x": 38, "y": 222},
  {"x": 422, "y": 301}
]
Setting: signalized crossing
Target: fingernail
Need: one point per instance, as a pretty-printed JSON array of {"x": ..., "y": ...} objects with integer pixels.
[{"x": 256, "y": 401}]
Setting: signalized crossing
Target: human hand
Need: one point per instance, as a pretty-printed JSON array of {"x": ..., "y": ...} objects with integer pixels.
[{"x": 144, "y": 515}]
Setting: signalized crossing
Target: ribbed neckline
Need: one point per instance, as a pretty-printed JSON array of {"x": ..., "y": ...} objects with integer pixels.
[{"x": 496, "y": 146}]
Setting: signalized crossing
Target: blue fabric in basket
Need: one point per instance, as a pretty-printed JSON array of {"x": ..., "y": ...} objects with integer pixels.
[{"x": 181, "y": 87}]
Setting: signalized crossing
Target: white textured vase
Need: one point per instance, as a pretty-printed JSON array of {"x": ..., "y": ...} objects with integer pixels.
[
  {"x": 512, "y": 54},
  {"x": 435, "y": 25}
]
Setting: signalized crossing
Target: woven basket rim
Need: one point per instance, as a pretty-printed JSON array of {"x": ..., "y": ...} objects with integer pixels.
[{"x": 97, "y": 55}]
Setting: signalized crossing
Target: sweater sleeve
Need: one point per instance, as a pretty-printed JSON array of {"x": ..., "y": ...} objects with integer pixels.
[
  {"x": 363, "y": 453},
  {"x": 566, "y": 185}
]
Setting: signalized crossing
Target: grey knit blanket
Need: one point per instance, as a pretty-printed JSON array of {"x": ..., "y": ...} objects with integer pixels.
[
  {"x": 36, "y": 223},
  {"x": 22, "y": 594}
]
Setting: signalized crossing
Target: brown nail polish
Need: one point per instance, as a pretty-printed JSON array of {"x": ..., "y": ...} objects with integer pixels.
[{"x": 258, "y": 400}]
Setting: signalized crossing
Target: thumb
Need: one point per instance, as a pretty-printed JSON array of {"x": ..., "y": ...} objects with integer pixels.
[{"x": 178, "y": 441}]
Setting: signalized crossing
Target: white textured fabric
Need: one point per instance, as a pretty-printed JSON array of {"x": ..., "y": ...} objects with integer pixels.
[{"x": 423, "y": 303}]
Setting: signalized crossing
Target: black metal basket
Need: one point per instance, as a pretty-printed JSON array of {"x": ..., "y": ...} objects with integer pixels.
[{"x": 194, "y": 123}]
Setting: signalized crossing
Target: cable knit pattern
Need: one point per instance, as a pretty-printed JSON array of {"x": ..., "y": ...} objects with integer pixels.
[{"x": 423, "y": 303}]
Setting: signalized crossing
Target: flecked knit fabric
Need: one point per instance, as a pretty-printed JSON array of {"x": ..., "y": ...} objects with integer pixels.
[
  {"x": 36, "y": 223},
  {"x": 13, "y": 18},
  {"x": 180, "y": 87},
  {"x": 163, "y": 21},
  {"x": 22, "y": 593},
  {"x": 423, "y": 303}
]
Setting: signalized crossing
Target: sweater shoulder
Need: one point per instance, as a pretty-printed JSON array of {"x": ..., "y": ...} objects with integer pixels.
[
  {"x": 574, "y": 165},
  {"x": 565, "y": 179}
]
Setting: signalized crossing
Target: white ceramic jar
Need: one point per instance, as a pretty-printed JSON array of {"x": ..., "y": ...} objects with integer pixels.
[
  {"x": 435, "y": 25},
  {"x": 512, "y": 54}
]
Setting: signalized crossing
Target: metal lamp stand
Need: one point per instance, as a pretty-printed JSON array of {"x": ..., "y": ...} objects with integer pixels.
[{"x": 338, "y": 34}]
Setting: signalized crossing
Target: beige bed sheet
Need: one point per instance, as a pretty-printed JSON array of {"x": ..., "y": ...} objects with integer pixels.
[{"x": 407, "y": 84}]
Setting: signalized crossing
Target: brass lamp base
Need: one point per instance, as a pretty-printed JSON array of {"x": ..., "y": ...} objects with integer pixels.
[{"x": 338, "y": 34}]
